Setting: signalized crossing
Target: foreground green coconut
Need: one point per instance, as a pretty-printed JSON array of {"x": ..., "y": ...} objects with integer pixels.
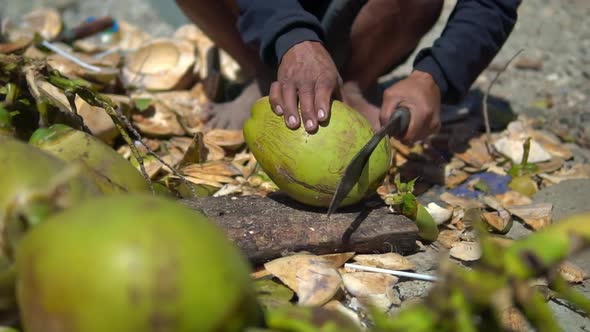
[
  {"x": 132, "y": 262},
  {"x": 33, "y": 185},
  {"x": 111, "y": 171},
  {"x": 308, "y": 167}
]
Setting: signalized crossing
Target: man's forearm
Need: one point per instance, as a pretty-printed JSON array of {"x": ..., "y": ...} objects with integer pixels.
[
  {"x": 475, "y": 33},
  {"x": 274, "y": 26}
]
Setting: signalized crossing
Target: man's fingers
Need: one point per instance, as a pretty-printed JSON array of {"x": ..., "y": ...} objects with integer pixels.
[
  {"x": 323, "y": 99},
  {"x": 289, "y": 105},
  {"x": 308, "y": 113},
  {"x": 275, "y": 97}
]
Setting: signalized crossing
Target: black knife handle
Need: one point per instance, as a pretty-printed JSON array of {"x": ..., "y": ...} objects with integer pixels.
[{"x": 398, "y": 123}]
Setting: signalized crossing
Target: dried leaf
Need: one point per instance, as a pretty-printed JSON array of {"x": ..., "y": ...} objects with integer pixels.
[
  {"x": 372, "y": 289},
  {"x": 571, "y": 272},
  {"x": 537, "y": 215},
  {"x": 449, "y": 238},
  {"x": 310, "y": 276},
  {"x": 389, "y": 260},
  {"x": 578, "y": 171},
  {"x": 466, "y": 251}
]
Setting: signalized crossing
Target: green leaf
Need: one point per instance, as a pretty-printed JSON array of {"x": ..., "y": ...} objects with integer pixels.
[
  {"x": 142, "y": 104},
  {"x": 482, "y": 186}
]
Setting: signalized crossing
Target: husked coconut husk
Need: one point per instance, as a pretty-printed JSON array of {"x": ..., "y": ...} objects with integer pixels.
[
  {"x": 127, "y": 38},
  {"x": 203, "y": 44},
  {"x": 46, "y": 21},
  {"x": 161, "y": 64},
  {"x": 107, "y": 67},
  {"x": 98, "y": 121},
  {"x": 156, "y": 120},
  {"x": 185, "y": 106}
]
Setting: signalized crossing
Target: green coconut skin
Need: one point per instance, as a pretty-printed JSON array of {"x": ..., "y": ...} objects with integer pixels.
[
  {"x": 28, "y": 183},
  {"x": 132, "y": 262},
  {"x": 112, "y": 172},
  {"x": 308, "y": 167}
]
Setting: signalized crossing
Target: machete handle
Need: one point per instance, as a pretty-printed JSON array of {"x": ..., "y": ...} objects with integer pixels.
[{"x": 398, "y": 122}]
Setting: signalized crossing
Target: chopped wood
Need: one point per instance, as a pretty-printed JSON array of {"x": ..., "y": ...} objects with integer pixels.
[{"x": 266, "y": 227}]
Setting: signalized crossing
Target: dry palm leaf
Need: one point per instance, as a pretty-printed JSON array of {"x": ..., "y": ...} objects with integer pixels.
[
  {"x": 310, "y": 276},
  {"x": 372, "y": 289},
  {"x": 390, "y": 260},
  {"x": 160, "y": 64}
]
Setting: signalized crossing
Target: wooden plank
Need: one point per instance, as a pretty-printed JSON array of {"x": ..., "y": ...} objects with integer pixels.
[{"x": 265, "y": 228}]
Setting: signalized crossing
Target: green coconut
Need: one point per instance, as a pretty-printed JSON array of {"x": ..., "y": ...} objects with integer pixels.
[
  {"x": 308, "y": 167},
  {"x": 111, "y": 171},
  {"x": 35, "y": 184},
  {"x": 132, "y": 262}
]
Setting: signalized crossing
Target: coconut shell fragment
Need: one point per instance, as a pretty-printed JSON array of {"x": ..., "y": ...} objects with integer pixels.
[{"x": 160, "y": 64}]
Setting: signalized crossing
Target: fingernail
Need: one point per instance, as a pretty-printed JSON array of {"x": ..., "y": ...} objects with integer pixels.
[
  {"x": 309, "y": 124},
  {"x": 279, "y": 110},
  {"x": 292, "y": 121},
  {"x": 321, "y": 113}
]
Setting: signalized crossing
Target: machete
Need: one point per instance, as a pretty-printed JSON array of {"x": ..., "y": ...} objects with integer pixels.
[{"x": 396, "y": 126}]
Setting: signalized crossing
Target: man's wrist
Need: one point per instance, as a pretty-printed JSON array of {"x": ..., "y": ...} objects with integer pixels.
[{"x": 425, "y": 77}]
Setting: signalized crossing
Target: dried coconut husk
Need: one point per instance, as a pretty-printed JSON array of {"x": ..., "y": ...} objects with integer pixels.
[
  {"x": 127, "y": 38},
  {"x": 228, "y": 139},
  {"x": 15, "y": 46},
  {"x": 46, "y": 21},
  {"x": 107, "y": 73},
  {"x": 203, "y": 44},
  {"x": 157, "y": 120},
  {"x": 98, "y": 121},
  {"x": 160, "y": 64},
  {"x": 185, "y": 106}
]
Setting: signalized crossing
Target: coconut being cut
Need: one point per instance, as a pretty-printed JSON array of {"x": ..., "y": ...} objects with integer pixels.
[{"x": 160, "y": 64}]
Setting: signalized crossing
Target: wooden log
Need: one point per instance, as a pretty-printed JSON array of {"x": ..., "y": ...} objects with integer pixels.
[{"x": 265, "y": 228}]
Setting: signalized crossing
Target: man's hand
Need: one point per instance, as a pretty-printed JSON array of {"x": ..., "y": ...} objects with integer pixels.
[
  {"x": 420, "y": 94},
  {"x": 306, "y": 73}
]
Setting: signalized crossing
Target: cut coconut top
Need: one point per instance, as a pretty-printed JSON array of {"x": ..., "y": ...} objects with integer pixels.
[{"x": 160, "y": 64}]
